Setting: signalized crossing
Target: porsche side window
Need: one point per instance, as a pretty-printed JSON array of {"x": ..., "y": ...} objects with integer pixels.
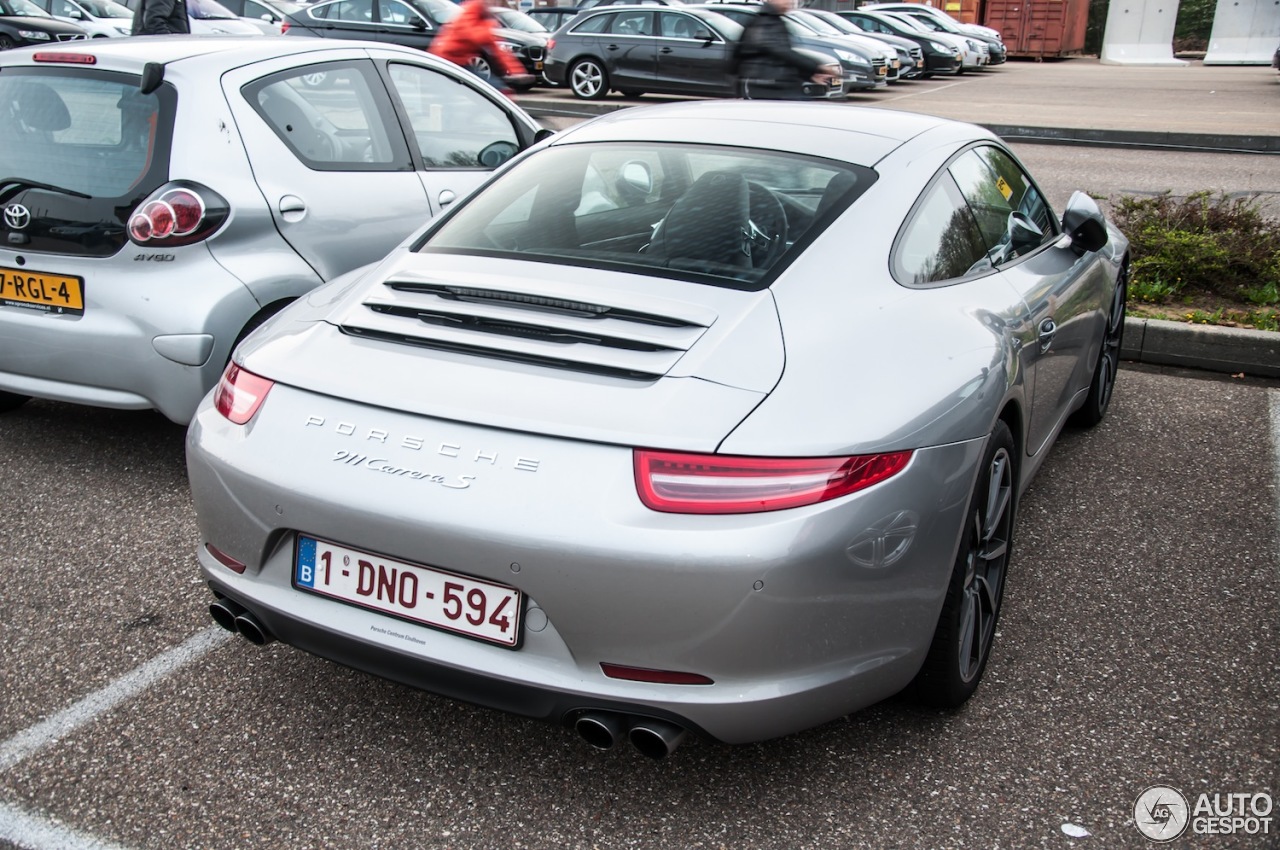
[
  {"x": 942, "y": 240},
  {"x": 988, "y": 196},
  {"x": 454, "y": 126},
  {"x": 1025, "y": 197},
  {"x": 1011, "y": 215},
  {"x": 329, "y": 117}
]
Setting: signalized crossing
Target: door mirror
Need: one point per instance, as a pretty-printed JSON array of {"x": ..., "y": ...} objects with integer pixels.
[
  {"x": 1084, "y": 223},
  {"x": 635, "y": 180}
]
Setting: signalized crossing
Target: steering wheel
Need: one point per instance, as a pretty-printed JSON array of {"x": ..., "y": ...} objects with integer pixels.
[{"x": 767, "y": 226}]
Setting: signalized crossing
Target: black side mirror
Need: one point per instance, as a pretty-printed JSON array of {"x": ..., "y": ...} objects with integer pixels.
[{"x": 1084, "y": 223}]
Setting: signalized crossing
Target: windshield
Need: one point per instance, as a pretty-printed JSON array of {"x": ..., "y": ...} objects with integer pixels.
[
  {"x": 730, "y": 217},
  {"x": 22, "y": 7},
  {"x": 106, "y": 9},
  {"x": 209, "y": 10},
  {"x": 511, "y": 19}
]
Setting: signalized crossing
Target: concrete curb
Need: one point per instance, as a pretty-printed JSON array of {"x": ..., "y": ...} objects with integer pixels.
[{"x": 1216, "y": 349}]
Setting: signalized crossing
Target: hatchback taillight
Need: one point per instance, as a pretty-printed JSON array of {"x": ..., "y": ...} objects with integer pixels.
[
  {"x": 551, "y": 42},
  {"x": 239, "y": 394},
  {"x": 719, "y": 484},
  {"x": 178, "y": 213},
  {"x": 284, "y": 27}
]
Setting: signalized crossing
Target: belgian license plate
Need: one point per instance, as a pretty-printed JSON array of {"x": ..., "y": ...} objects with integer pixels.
[
  {"x": 50, "y": 293},
  {"x": 442, "y": 600}
]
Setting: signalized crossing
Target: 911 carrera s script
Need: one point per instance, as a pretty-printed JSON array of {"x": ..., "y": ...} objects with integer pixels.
[{"x": 386, "y": 467}]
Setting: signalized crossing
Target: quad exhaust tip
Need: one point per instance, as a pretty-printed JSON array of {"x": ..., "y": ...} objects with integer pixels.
[
  {"x": 654, "y": 738},
  {"x": 234, "y": 618}
]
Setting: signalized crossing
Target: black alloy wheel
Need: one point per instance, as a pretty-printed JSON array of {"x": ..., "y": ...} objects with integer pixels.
[
  {"x": 1104, "y": 377},
  {"x": 967, "y": 626}
]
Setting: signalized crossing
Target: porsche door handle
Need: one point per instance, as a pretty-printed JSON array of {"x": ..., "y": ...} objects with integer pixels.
[{"x": 1048, "y": 328}]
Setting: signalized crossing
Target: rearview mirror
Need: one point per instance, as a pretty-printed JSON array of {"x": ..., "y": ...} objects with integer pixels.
[{"x": 1084, "y": 223}]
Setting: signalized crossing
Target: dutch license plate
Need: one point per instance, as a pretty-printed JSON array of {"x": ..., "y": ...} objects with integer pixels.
[
  {"x": 442, "y": 600},
  {"x": 50, "y": 293}
]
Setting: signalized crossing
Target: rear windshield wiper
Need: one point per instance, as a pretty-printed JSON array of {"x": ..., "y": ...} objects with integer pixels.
[{"x": 18, "y": 185}]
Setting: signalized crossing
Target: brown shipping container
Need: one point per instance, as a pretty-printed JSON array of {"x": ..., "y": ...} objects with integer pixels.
[{"x": 1039, "y": 28}]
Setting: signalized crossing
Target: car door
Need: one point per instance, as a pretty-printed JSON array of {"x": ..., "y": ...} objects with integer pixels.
[
  {"x": 630, "y": 49},
  {"x": 690, "y": 56},
  {"x": 1064, "y": 293},
  {"x": 332, "y": 161},
  {"x": 459, "y": 131}
]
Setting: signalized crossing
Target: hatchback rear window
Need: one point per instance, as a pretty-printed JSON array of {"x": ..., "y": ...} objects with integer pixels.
[
  {"x": 87, "y": 132},
  {"x": 728, "y": 216}
]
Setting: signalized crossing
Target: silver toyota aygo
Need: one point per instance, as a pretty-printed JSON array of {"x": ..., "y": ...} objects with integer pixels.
[
  {"x": 160, "y": 197},
  {"x": 705, "y": 418}
]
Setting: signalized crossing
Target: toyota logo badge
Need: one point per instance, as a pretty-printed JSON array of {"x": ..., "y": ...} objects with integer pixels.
[{"x": 17, "y": 216}]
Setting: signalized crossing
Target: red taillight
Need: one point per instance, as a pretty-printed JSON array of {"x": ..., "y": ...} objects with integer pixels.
[
  {"x": 284, "y": 27},
  {"x": 177, "y": 213},
  {"x": 68, "y": 58},
  {"x": 718, "y": 484},
  {"x": 661, "y": 677},
  {"x": 551, "y": 42},
  {"x": 239, "y": 394}
]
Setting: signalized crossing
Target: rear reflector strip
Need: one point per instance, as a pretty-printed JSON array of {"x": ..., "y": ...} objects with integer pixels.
[{"x": 661, "y": 677}]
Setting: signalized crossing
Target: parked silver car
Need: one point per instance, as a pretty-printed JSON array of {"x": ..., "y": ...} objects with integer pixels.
[
  {"x": 707, "y": 416},
  {"x": 161, "y": 197}
]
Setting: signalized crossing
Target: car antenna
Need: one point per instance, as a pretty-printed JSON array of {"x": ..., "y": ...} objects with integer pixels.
[{"x": 152, "y": 77}]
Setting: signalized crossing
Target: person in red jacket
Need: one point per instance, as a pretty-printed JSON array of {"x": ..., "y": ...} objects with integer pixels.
[{"x": 470, "y": 35}]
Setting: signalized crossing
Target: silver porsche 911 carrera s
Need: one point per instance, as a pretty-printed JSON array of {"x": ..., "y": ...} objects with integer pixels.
[{"x": 706, "y": 418}]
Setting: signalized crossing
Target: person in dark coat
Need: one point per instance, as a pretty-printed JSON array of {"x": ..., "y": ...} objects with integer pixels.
[
  {"x": 161, "y": 17},
  {"x": 766, "y": 64}
]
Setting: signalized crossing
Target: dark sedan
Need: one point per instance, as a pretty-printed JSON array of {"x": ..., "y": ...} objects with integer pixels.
[
  {"x": 23, "y": 22},
  {"x": 412, "y": 23},
  {"x": 939, "y": 57},
  {"x": 637, "y": 49}
]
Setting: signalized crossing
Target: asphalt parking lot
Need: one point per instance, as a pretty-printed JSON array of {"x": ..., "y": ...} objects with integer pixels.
[{"x": 1139, "y": 646}]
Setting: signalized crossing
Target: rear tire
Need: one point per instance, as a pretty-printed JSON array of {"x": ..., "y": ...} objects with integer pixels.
[
  {"x": 1104, "y": 377},
  {"x": 967, "y": 626},
  {"x": 12, "y": 401}
]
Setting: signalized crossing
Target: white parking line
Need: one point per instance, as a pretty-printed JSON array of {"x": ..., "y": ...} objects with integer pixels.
[
  {"x": 58, "y": 726},
  {"x": 914, "y": 93},
  {"x": 37, "y": 833}
]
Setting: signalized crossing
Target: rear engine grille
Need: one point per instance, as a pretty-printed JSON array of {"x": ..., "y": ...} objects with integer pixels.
[{"x": 528, "y": 327}]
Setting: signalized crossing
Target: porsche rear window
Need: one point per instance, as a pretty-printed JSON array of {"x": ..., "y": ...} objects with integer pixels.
[
  {"x": 86, "y": 132},
  {"x": 727, "y": 216}
]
